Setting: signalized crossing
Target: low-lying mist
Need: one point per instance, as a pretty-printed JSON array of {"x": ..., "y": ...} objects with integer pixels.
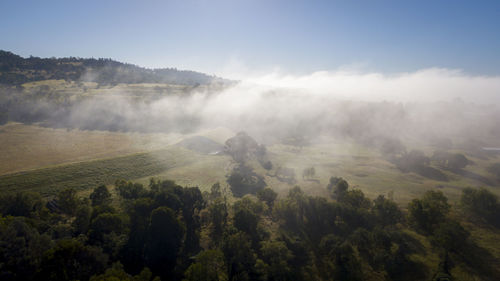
[{"x": 425, "y": 105}]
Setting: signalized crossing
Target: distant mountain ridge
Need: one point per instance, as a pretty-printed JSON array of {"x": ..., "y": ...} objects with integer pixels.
[{"x": 16, "y": 70}]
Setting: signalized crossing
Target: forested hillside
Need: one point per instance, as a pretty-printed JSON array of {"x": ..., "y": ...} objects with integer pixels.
[{"x": 16, "y": 70}]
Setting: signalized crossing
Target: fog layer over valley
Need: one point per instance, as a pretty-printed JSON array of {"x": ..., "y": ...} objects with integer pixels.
[{"x": 424, "y": 106}]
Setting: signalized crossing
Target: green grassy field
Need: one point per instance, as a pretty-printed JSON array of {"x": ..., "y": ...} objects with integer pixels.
[
  {"x": 28, "y": 147},
  {"x": 87, "y": 175},
  {"x": 58, "y": 158},
  {"x": 364, "y": 168}
]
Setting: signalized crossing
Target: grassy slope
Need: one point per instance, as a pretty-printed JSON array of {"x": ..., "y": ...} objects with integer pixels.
[
  {"x": 31, "y": 147},
  {"x": 86, "y": 175},
  {"x": 26, "y": 147}
]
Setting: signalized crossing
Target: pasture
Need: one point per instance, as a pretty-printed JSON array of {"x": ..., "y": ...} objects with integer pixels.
[{"x": 46, "y": 160}]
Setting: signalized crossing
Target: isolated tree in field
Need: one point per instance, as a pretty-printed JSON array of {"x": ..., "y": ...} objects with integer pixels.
[
  {"x": 242, "y": 147},
  {"x": 285, "y": 174},
  {"x": 243, "y": 180},
  {"x": 412, "y": 161},
  {"x": 266, "y": 164},
  {"x": 457, "y": 161},
  {"x": 452, "y": 161},
  {"x": 440, "y": 158},
  {"x": 308, "y": 173},
  {"x": 100, "y": 196}
]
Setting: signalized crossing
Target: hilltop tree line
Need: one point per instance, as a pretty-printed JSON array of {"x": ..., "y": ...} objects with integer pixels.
[
  {"x": 16, "y": 70},
  {"x": 168, "y": 232}
]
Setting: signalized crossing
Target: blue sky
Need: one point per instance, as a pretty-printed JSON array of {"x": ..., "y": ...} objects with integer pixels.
[{"x": 295, "y": 36}]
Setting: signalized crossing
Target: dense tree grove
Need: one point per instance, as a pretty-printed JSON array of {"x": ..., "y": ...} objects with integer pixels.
[{"x": 167, "y": 232}]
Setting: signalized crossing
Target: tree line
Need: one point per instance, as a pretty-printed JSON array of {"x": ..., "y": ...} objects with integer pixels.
[
  {"x": 168, "y": 232},
  {"x": 16, "y": 70}
]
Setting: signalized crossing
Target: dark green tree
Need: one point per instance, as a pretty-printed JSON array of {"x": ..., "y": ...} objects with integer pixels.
[
  {"x": 386, "y": 211},
  {"x": 481, "y": 204},
  {"x": 424, "y": 214},
  {"x": 67, "y": 201},
  {"x": 346, "y": 265},
  {"x": 82, "y": 219},
  {"x": 450, "y": 236},
  {"x": 129, "y": 190},
  {"x": 26, "y": 204},
  {"x": 165, "y": 239},
  {"x": 106, "y": 223},
  {"x": 356, "y": 199},
  {"x": 276, "y": 257},
  {"x": 243, "y": 180},
  {"x": 132, "y": 254},
  {"x": 116, "y": 272},
  {"x": 215, "y": 191},
  {"x": 209, "y": 266},
  {"x": 337, "y": 187},
  {"x": 70, "y": 259},
  {"x": 192, "y": 203},
  {"x": 268, "y": 196},
  {"x": 21, "y": 249},
  {"x": 240, "y": 257},
  {"x": 218, "y": 213},
  {"x": 100, "y": 196}
]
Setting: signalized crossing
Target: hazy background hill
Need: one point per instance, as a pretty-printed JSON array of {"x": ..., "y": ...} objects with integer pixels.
[{"x": 16, "y": 70}]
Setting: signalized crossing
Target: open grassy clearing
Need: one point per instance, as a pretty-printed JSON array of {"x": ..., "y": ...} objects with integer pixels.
[
  {"x": 27, "y": 147},
  {"x": 202, "y": 172},
  {"x": 87, "y": 175},
  {"x": 95, "y": 157},
  {"x": 60, "y": 90}
]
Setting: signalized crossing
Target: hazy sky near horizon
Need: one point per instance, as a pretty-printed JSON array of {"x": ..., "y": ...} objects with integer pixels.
[{"x": 223, "y": 36}]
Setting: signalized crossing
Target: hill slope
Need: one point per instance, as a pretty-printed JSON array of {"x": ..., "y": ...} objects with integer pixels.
[{"x": 16, "y": 70}]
